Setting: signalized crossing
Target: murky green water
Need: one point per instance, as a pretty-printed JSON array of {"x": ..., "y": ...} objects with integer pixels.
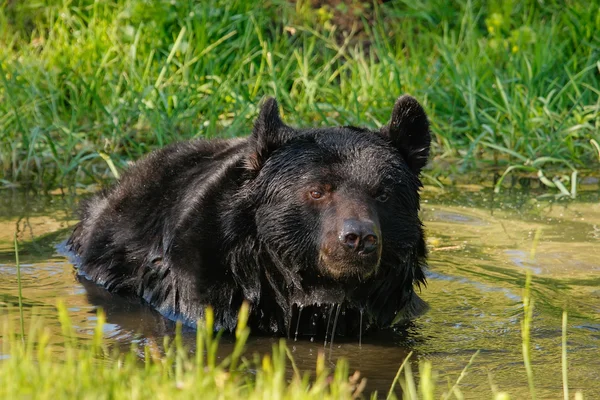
[{"x": 481, "y": 246}]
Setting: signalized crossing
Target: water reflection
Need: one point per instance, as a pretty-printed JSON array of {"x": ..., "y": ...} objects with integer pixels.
[{"x": 480, "y": 248}]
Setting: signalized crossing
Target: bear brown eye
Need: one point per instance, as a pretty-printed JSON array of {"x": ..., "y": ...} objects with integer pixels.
[{"x": 315, "y": 194}]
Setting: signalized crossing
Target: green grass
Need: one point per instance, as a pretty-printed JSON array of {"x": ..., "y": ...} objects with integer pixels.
[
  {"x": 507, "y": 84},
  {"x": 79, "y": 369},
  {"x": 40, "y": 366},
  {"x": 44, "y": 367}
]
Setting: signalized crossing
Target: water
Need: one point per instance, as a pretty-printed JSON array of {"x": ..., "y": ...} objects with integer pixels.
[{"x": 481, "y": 246}]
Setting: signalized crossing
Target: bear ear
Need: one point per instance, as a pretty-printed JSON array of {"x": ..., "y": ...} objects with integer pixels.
[
  {"x": 408, "y": 131},
  {"x": 269, "y": 133}
]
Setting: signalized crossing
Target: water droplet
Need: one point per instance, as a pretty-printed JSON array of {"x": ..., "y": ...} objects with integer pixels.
[
  {"x": 335, "y": 320},
  {"x": 298, "y": 323},
  {"x": 327, "y": 327},
  {"x": 360, "y": 329}
]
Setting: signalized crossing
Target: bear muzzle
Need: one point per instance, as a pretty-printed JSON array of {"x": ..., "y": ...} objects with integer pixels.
[
  {"x": 354, "y": 250},
  {"x": 360, "y": 237}
]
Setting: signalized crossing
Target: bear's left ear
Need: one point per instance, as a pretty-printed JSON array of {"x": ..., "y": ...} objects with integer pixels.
[
  {"x": 269, "y": 133},
  {"x": 408, "y": 131}
]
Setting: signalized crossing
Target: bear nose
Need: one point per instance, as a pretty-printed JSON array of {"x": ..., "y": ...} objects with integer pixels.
[{"x": 359, "y": 236}]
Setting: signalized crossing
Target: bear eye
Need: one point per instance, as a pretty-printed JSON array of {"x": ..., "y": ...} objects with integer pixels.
[
  {"x": 315, "y": 194},
  {"x": 383, "y": 197}
]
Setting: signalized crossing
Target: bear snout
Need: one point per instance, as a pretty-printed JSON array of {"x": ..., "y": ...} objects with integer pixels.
[
  {"x": 359, "y": 236},
  {"x": 353, "y": 248}
]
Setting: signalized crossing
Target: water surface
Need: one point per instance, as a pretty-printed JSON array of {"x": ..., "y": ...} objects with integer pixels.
[{"x": 481, "y": 246}]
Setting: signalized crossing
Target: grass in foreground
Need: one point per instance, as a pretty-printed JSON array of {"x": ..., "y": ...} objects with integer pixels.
[
  {"x": 78, "y": 369},
  {"x": 31, "y": 367},
  {"x": 509, "y": 85}
]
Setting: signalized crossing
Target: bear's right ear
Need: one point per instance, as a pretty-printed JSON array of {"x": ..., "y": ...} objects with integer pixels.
[
  {"x": 408, "y": 131},
  {"x": 269, "y": 133}
]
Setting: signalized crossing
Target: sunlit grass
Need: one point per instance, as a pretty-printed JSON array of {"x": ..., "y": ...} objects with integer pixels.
[
  {"x": 508, "y": 85},
  {"x": 43, "y": 366},
  {"x": 79, "y": 369},
  {"x": 76, "y": 368}
]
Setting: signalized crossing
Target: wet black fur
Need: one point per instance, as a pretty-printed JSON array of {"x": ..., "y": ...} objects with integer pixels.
[{"x": 219, "y": 222}]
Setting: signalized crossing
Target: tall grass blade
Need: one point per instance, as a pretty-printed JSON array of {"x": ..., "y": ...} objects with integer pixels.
[
  {"x": 397, "y": 377},
  {"x": 20, "y": 288},
  {"x": 565, "y": 366},
  {"x": 526, "y": 333},
  {"x": 174, "y": 50},
  {"x": 535, "y": 243},
  {"x": 597, "y": 146},
  {"x": 410, "y": 386},
  {"x": 111, "y": 164},
  {"x": 462, "y": 375}
]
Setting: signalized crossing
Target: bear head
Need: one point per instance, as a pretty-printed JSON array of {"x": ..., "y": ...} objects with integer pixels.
[{"x": 335, "y": 210}]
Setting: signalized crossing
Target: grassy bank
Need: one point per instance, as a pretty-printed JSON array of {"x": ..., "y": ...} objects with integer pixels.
[{"x": 507, "y": 84}]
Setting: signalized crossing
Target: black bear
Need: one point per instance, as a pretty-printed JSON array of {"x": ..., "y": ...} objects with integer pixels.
[{"x": 286, "y": 219}]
